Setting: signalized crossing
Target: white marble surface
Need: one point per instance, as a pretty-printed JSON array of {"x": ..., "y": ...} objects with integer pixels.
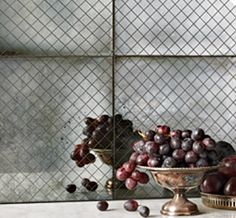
[{"x": 88, "y": 209}]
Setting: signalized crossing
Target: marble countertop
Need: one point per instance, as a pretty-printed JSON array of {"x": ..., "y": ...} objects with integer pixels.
[{"x": 89, "y": 210}]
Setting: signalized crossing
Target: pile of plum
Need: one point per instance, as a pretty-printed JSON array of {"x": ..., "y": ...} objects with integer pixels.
[
  {"x": 166, "y": 148},
  {"x": 223, "y": 181}
]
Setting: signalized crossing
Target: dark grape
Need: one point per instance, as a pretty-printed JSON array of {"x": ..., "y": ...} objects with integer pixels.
[
  {"x": 204, "y": 154},
  {"x": 151, "y": 147},
  {"x": 139, "y": 146},
  {"x": 71, "y": 188},
  {"x": 198, "y": 147},
  {"x": 144, "y": 178},
  {"x": 142, "y": 159},
  {"x": 102, "y": 205},
  {"x": 84, "y": 182},
  {"x": 178, "y": 154},
  {"x": 197, "y": 134},
  {"x": 186, "y": 133},
  {"x": 164, "y": 149},
  {"x": 91, "y": 186},
  {"x": 149, "y": 135},
  {"x": 144, "y": 211},
  {"x": 191, "y": 157},
  {"x": 89, "y": 121},
  {"x": 159, "y": 139},
  {"x": 176, "y": 133},
  {"x": 202, "y": 162},
  {"x": 103, "y": 118},
  {"x": 175, "y": 142},
  {"x": 118, "y": 118},
  {"x": 169, "y": 162},
  {"x": 131, "y": 205},
  {"x": 154, "y": 162},
  {"x": 187, "y": 144},
  {"x": 209, "y": 143}
]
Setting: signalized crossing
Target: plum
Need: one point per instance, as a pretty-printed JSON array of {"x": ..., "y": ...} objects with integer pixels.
[
  {"x": 213, "y": 183},
  {"x": 230, "y": 187},
  {"x": 229, "y": 168}
]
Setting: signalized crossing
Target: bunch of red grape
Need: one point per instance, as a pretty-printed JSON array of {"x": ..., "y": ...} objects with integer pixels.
[
  {"x": 82, "y": 156},
  {"x": 99, "y": 131},
  {"x": 166, "y": 148}
]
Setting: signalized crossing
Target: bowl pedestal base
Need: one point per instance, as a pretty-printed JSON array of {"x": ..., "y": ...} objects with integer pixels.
[{"x": 179, "y": 205}]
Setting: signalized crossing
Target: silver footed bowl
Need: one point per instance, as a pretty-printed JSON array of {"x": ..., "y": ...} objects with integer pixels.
[{"x": 179, "y": 181}]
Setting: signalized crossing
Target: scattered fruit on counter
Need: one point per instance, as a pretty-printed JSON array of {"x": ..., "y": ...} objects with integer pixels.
[
  {"x": 71, "y": 188},
  {"x": 102, "y": 205},
  {"x": 223, "y": 181},
  {"x": 131, "y": 205},
  {"x": 144, "y": 211}
]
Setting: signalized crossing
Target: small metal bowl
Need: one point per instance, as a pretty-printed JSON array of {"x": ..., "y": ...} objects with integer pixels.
[{"x": 219, "y": 201}]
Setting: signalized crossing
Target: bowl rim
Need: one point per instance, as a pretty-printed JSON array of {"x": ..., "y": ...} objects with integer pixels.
[{"x": 181, "y": 169}]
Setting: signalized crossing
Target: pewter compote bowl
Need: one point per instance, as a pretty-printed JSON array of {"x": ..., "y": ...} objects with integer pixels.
[{"x": 179, "y": 181}]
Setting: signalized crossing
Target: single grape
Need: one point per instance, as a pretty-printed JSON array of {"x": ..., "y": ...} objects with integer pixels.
[
  {"x": 103, "y": 118},
  {"x": 149, "y": 135},
  {"x": 198, "y": 147},
  {"x": 175, "y": 142},
  {"x": 159, "y": 139},
  {"x": 187, "y": 144},
  {"x": 209, "y": 143},
  {"x": 131, "y": 205},
  {"x": 178, "y": 154},
  {"x": 139, "y": 146},
  {"x": 202, "y": 162},
  {"x": 164, "y": 149},
  {"x": 197, "y": 134},
  {"x": 71, "y": 188},
  {"x": 144, "y": 178},
  {"x": 144, "y": 211},
  {"x": 91, "y": 186},
  {"x": 163, "y": 130},
  {"x": 154, "y": 162},
  {"x": 102, "y": 205},
  {"x": 130, "y": 183},
  {"x": 176, "y": 133},
  {"x": 186, "y": 133},
  {"x": 129, "y": 166},
  {"x": 121, "y": 174},
  {"x": 204, "y": 154},
  {"x": 169, "y": 162},
  {"x": 136, "y": 175},
  {"x": 142, "y": 159},
  {"x": 89, "y": 121},
  {"x": 191, "y": 157},
  {"x": 84, "y": 182},
  {"x": 134, "y": 156},
  {"x": 151, "y": 147}
]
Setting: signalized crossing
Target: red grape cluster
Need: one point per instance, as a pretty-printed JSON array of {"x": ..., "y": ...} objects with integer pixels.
[
  {"x": 99, "y": 134},
  {"x": 99, "y": 131},
  {"x": 128, "y": 173},
  {"x": 177, "y": 148},
  {"x": 82, "y": 156}
]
